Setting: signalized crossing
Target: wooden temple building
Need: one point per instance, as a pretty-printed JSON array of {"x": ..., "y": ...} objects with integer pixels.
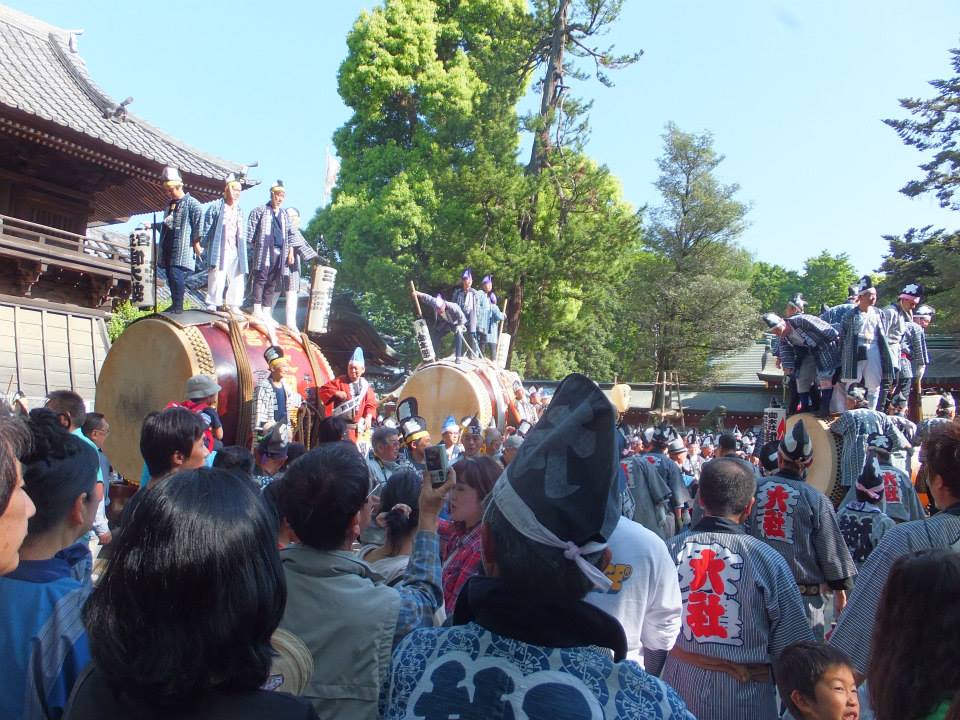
[{"x": 71, "y": 160}]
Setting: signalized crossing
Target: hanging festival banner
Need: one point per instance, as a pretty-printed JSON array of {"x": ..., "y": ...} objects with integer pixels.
[{"x": 143, "y": 279}]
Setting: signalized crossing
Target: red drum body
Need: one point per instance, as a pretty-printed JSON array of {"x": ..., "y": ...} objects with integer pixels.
[
  {"x": 149, "y": 364},
  {"x": 471, "y": 387}
]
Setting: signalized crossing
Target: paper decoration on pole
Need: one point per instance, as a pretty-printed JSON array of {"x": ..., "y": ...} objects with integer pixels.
[{"x": 321, "y": 299}]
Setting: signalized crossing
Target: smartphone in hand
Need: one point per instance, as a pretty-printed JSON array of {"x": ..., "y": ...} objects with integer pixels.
[{"x": 435, "y": 457}]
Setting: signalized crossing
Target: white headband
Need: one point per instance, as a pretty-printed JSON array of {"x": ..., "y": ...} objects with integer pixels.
[{"x": 516, "y": 512}]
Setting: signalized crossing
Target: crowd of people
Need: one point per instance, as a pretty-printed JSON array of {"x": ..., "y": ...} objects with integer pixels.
[
  {"x": 882, "y": 350},
  {"x": 574, "y": 568}
]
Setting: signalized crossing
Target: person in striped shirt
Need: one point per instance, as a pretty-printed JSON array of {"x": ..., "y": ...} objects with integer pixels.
[
  {"x": 856, "y": 624},
  {"x": 798, "y": 521},
  {"x": 741, "y": 605}
]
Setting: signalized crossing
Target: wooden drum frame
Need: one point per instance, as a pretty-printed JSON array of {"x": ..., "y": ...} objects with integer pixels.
[
  {"x": 470, "y": 387},
  {"x": 149, "y": 364}
]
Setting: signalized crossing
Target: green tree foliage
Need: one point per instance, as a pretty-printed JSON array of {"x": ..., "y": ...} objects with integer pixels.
[
  {"x": 929, "y": 257},
  {"x": 826, "y": 279},
  {"x": 691, "y": 298},
  {"x": 430, "y": 181},
  {"x": 773, "y": 285},
  {"x": 699, "y": 220},
  {"x": 935, "y": 127}
]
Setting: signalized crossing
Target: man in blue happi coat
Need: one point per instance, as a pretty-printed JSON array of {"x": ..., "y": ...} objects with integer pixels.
[{"x": 179, "y": 236}]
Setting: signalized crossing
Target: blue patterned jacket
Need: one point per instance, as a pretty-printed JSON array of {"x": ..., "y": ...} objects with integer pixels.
[
  {"x": 212, "y": 231},
  {"x": 177, "y": 240},
  {"x": 850, "y": 331},
  {"x": 914, "y": 355},
  {"x": 258, "y": 225},
  {"x": 819, "y": 337}
]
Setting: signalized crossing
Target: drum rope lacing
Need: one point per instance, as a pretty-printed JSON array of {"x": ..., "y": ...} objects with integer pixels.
[
  {"x": 244, "y": 382},
  {"x": 309, "y": 414}
]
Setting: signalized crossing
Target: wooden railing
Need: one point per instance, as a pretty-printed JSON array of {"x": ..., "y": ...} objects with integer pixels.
[{"x": 28, "y": 239}]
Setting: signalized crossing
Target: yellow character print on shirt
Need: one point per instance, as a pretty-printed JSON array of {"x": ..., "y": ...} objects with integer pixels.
[{"x": 618, "y": 574}]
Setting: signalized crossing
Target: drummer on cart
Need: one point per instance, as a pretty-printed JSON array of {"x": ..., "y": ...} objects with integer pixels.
[
  {"x": 275, "y": 398},
  {"x": 450, "y": 318},
  {"x": 351, "y": 397}
]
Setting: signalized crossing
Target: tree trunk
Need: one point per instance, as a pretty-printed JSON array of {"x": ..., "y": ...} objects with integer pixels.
[
  {"x": 549, "y": 99},
  {"x": 552, "y": 82}
]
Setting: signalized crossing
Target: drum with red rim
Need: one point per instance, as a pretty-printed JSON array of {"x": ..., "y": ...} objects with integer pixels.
[{"x": 149, "y": 364}]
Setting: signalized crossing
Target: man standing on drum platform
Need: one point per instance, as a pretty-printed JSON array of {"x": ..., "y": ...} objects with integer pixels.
[
  {"x": 865, "y": 354},
  {"x": 271, "y": 234},
  {"x": 899, "y": 316},
  {"x": 351, "y": 397},
  {"x": 179, "y": 236},
  {"x": 821, "y": 340},
  {"x": 449, "y": 318},
  {"x": 488, "y": 322},
  {"x": 226, "y": 249},
  {"x": 470, "y": 301},
  {"x": 275, "y": 398},
  {"x": 798, "y": 521}
]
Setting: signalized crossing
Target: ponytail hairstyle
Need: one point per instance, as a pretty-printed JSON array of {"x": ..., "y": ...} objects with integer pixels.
[
  {"x": 401, "y": 489},
  {"x": 58, "y": 468}
]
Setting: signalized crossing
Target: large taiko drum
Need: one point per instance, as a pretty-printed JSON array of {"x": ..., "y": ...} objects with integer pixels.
[
  {"x": 470, "y": 387},
  {"x": 824, "y": 471},
  {"x": 149, "y": 364}
]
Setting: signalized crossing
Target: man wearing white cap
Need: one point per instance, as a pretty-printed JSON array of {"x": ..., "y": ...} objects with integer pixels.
[
  {"x": 350, "y": 396},
  {"x": 449, "y": 318},
  {"x": 914, "y": 355},
  {"x": 179, "y": 236},
  {"x": 819, "y": 355},
  {"x": 469, "y": 301},
  {"x": 524, "y": 643},
  {"x": 798, "y": 521}
]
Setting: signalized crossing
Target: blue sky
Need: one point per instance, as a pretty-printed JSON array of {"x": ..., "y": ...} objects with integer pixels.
[{"x": 793, "y": 91}]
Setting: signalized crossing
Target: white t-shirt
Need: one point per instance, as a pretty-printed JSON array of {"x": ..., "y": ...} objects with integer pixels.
[{"x": 645, "y": 596}]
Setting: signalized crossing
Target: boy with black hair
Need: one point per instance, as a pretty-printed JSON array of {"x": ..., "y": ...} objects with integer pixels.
[
  {"x": 816, "y": 682},
  {"x": 727, "y": 445},
  {"x": 172, "y": 440},
  {"x": 741, "y": 605}
]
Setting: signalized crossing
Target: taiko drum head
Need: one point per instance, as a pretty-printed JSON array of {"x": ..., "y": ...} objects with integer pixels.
[
  {"x": 146, "y": 368},
  {"x": 824, "y": 471},
  {"x": 470, "y": 387}
]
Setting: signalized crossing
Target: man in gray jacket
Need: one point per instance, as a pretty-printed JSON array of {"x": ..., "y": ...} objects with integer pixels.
[{"x": 342, "y": 610}]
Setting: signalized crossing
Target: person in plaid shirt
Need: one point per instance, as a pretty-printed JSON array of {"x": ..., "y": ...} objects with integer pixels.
[{"x": 460, "y": 536}]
